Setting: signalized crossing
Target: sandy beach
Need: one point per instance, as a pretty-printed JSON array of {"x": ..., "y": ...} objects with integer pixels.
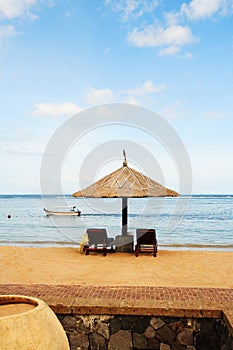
[{"x": 67, "y": 266}]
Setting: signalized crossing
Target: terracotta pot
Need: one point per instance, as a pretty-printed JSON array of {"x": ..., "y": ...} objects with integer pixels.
[{"x": 28, "y": 323}]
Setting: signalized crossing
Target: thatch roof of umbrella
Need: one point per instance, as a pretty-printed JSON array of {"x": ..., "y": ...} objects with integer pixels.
[{"x": 124, "y": 183}]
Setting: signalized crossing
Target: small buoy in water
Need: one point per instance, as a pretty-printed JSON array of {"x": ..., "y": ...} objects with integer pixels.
[{"x": 9, "y": 216}]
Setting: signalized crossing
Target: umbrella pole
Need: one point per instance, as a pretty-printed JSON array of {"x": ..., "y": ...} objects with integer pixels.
[{"x": 124, "y": 216}]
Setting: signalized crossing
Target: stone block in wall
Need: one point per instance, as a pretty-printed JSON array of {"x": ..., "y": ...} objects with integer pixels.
[
  {"x": 224, "y": 347},
  {"x": 165, "y": 335},
  {"x": 141, "y": 324},
  {"x": 153, "y": 344},
  {"x": 122, "y": 340},
  {"x": 207, "y": 326},
  {"x": 176, "y": 325},
  {"x": 102, "y": 329},
  {"x": 185, "y": 336},
  {"x": 149, "y": 332},
  {"x": 139, "y": 341},
  {"x": 115, "y": 325},
  {"x": 176, "y": 346},
  {"x": 127, "y": 322},
  {"x": 207, "y": 341},
  {"x": 78, "y": 341},
  {"x": 164, "y": 347},
  {"x": 69, "y": 323},
  {"x": 82, "y": 326},
  {"x": 156, "y": 323},
  {"x": 121, "y": 332},
  {"x": 230, "y": 343},
  {"x": 97, "y": 342}
]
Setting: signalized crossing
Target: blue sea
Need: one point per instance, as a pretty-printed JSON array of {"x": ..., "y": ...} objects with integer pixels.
[{"x": 198, "y": 222}]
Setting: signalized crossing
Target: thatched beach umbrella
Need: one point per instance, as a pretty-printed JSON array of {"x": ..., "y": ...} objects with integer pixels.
[{"x": 125, "y": 183}]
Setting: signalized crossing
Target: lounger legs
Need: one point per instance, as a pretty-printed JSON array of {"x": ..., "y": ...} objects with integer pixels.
[
  {"x": 88, "y": 250},
  {"x": 137, "y": 250}
]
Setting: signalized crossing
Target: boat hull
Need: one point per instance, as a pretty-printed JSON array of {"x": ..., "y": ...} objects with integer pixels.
[{"x": 62, "y": 213}]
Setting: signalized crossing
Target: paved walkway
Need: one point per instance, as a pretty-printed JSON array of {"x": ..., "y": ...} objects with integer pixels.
[
  {"x": 133, "y": 300},
  {"x": 217, "y": 296}
]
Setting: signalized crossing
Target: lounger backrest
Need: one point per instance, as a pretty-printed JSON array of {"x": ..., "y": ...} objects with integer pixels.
[
  {"x": 146, "y": 236},
  {"x": 97, "y": 236}
]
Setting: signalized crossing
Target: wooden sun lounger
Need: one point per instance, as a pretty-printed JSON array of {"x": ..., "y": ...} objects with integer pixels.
[
  {"x": 98, "y": 241},
  {"x": 146, "y": 241}
]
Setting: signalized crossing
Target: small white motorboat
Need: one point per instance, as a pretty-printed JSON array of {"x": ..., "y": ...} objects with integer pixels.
[{"x": 72, "y": 212}]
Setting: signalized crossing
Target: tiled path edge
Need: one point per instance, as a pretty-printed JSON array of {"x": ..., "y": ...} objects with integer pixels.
[{"x": 132, "y": 300}]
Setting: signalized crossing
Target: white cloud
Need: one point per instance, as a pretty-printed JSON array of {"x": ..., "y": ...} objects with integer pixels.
[
  {"x": 131, "y": 100},
  {"x": 189, "y": 55},
  {"x": 171, "y": 38},
  {"x": 56, "y": 110},
  {"x": 7, "y": 31},
  {"x": 197, "y": 9},
  {"x": 99, "y": 96},
  {"x": 214, "y": 114},
  {"x": 132, "y": 8},
  {"x": 147, "y": 88},
  {"x": 15, "y": 8},
  {"x": 169, "y": 51},
  {"x": 172, "y": 111},
  {"x": 175, "y": 33}
]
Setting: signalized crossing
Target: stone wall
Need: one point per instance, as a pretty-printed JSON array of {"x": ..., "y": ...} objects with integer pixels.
[{"x": 120, "y": 332}]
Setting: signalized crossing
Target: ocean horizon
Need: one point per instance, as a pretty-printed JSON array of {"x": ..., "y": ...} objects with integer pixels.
[{"x": 196, "y": 222}]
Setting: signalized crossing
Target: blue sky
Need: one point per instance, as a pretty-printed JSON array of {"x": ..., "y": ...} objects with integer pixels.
[{"x": 58, "y": 58}]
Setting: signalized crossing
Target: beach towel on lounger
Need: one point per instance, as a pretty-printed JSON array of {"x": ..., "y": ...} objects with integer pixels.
[{"x": 83, "y": 242}]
